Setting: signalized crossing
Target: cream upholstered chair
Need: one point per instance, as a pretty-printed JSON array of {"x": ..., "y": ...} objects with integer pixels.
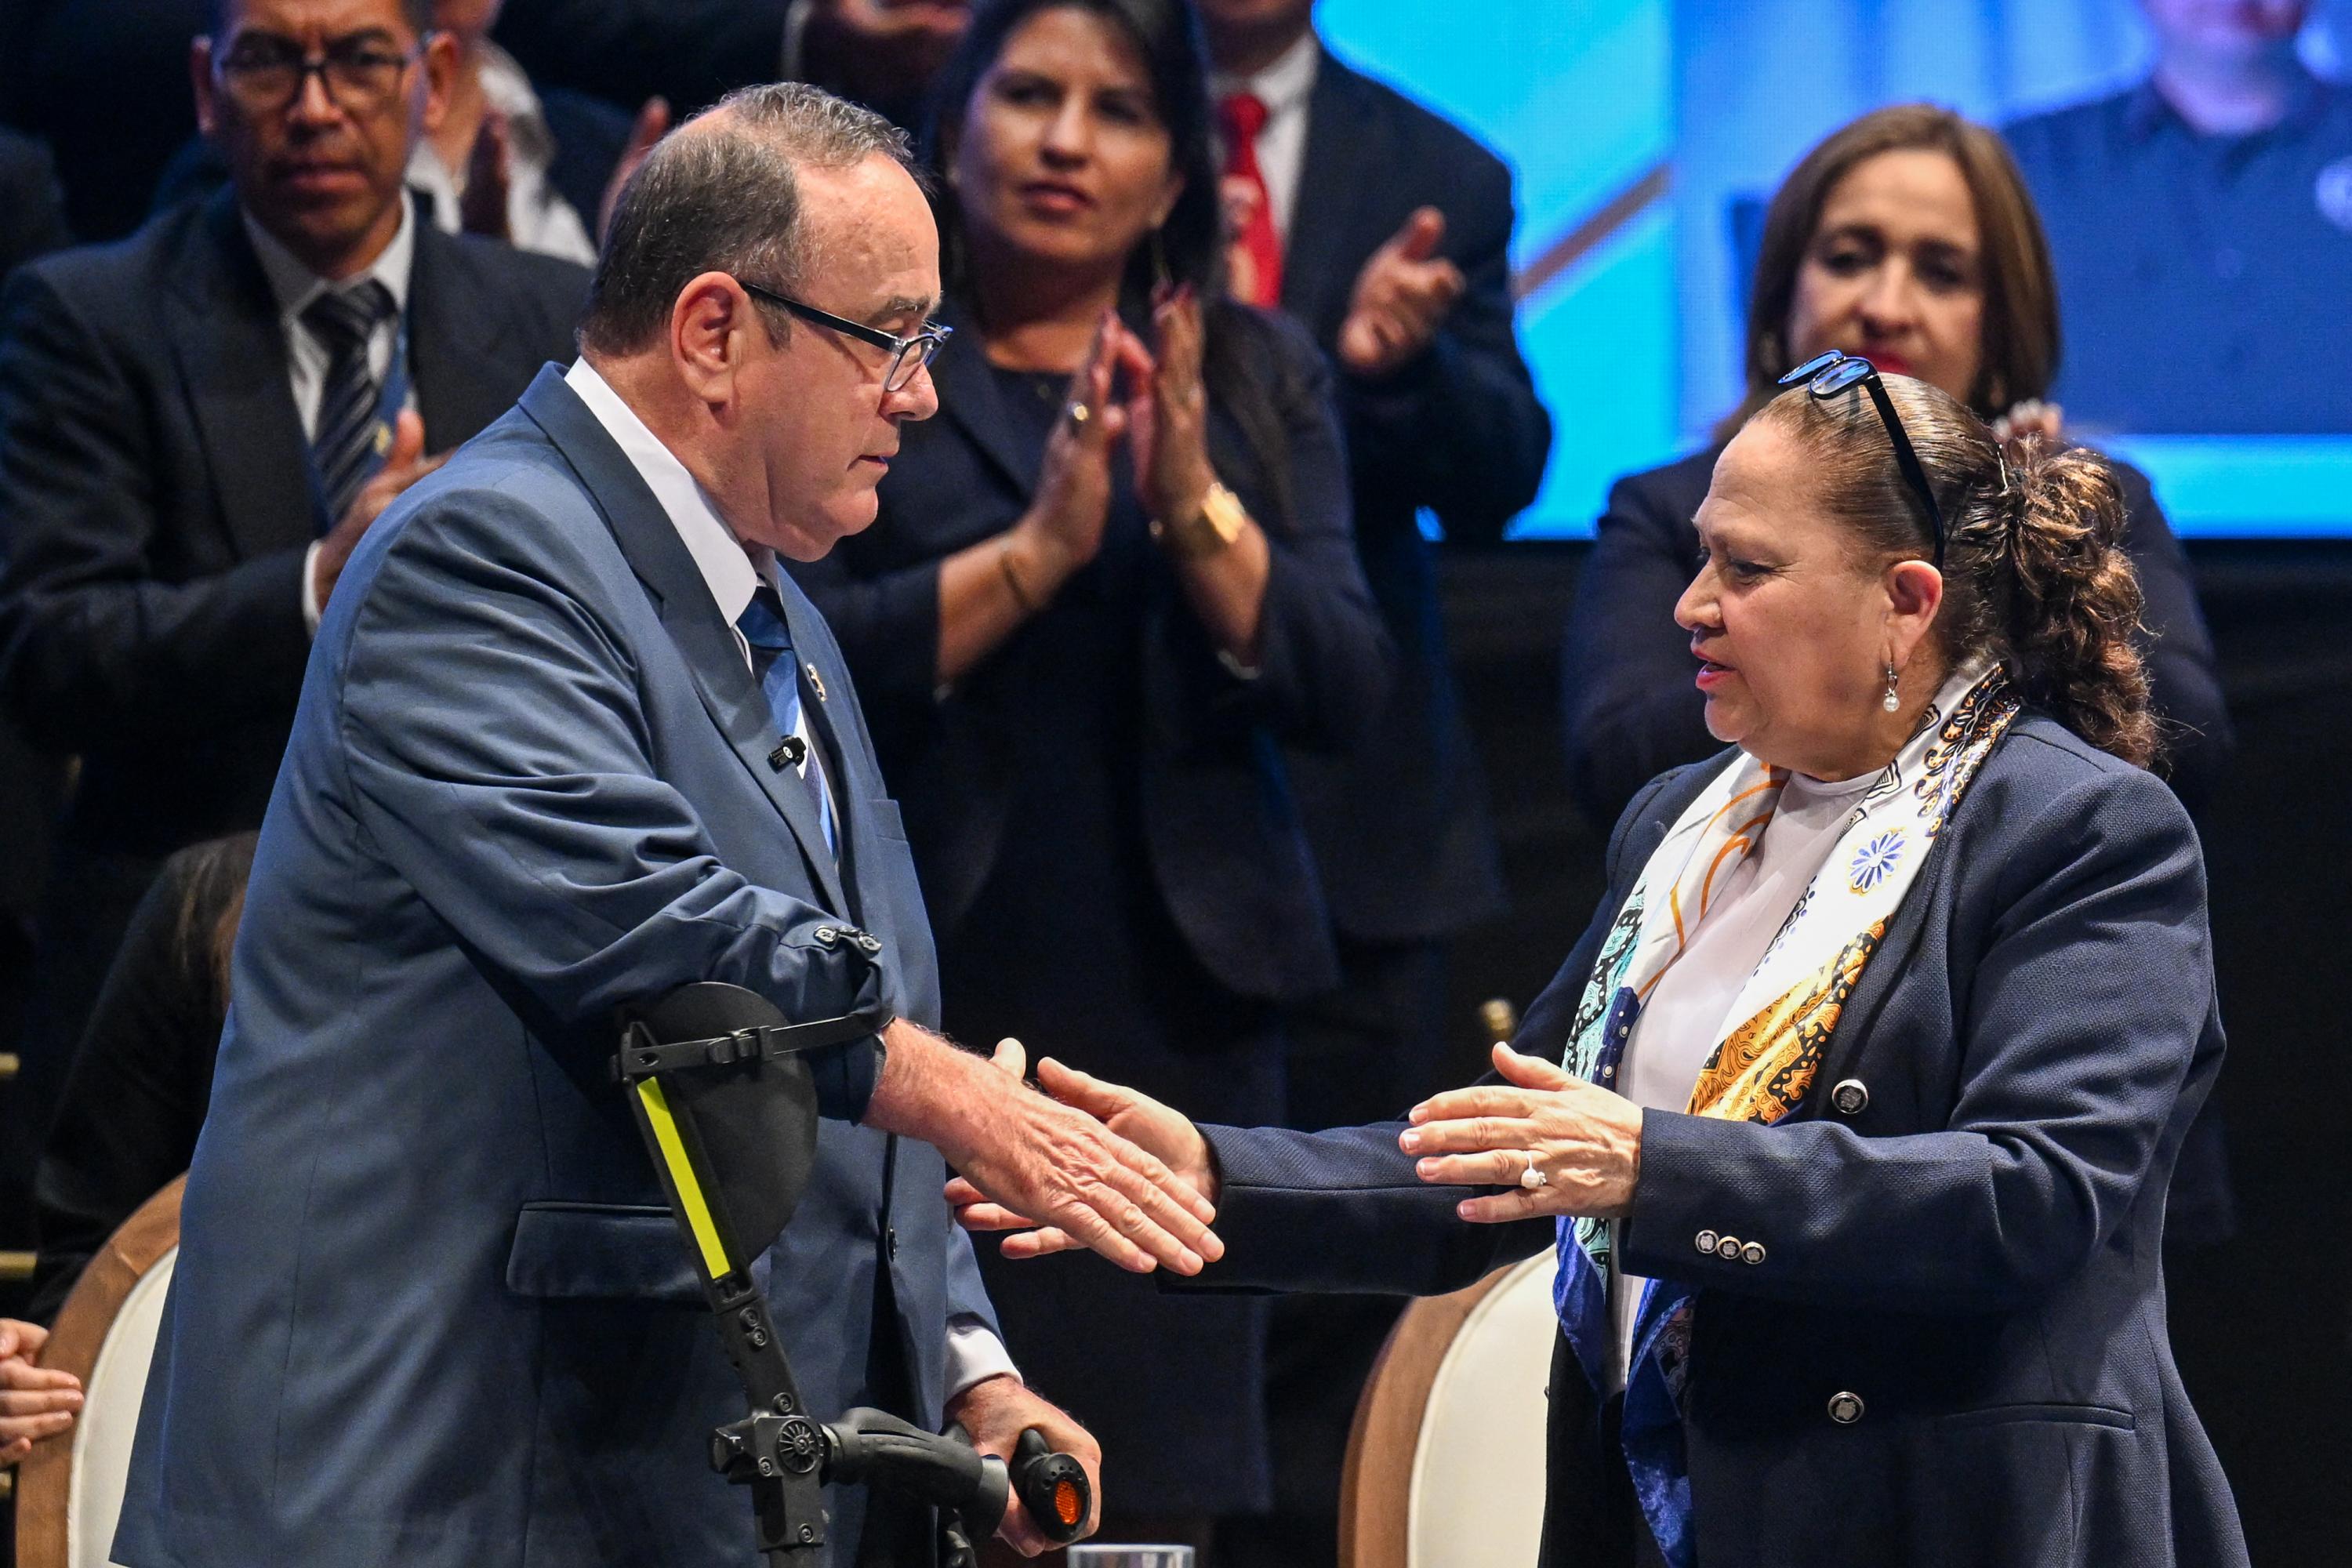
[
  {"x": 1445, "y": 1463},
  {"x": 69, "y": 1489}
]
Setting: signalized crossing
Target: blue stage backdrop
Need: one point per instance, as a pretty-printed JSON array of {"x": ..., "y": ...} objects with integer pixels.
[{"x": 1646, "y": 134}]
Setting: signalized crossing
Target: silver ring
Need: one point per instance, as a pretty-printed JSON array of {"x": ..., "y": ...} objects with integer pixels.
[
  {"x": 1533, "y": 1177},
  {"x": 1078, "y": 414}
]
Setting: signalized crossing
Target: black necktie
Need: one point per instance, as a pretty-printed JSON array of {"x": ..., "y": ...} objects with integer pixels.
[{"x": 344, "y": 447}]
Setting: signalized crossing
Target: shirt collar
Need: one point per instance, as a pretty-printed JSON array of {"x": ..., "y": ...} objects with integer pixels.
[
  {"x": 294, "y": 285},
  {"x": 1284, "y": 85},
  {"x": 731, "y": 570}
]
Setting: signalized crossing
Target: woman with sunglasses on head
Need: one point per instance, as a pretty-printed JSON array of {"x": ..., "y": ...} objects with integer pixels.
[
  {"x": 1908, "y": 237},
  {"x": 1851, "y": 1115},
  {"x": 1112, "y": 574}
]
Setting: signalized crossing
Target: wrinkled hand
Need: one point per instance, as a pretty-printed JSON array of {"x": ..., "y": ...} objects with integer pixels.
[
  {"x": 483, "y": 208},
  {"x": 1168, "y": 411},
  {"x": 651, "y": 125},
  {"x": 1158, "y": 1129},
  {"x": 1585, "y": 1141},
  {"x": 2030, "y": 417},
  {"x": 1401, "y": 297},
  {"x": 1063, "y": 529},
  {"x": 402, "y": 467},
  {"x": 995, "y": 1411},
  {"x": 35, "y": 1402}
]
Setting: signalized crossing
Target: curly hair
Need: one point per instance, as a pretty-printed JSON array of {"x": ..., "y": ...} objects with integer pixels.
[{"x": 2035, "y": 574}]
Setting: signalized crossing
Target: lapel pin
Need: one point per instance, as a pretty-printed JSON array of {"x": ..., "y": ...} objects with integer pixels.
[
  {"x": 790, "y": 753},
  {"x": 816, "y": 681},
  {"x": 382, "y": 438}
]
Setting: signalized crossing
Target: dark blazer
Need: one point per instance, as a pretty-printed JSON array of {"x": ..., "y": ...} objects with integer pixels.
[
  {"x": 1632, "y": 710},
  {"x": 155, "y": 501},
  {"x": 1974, "y": 1254},
  {"x": 1401, "y": 825},
  {"x": 430, "y": 1309},
  {"x": 1217, "y": 815}
]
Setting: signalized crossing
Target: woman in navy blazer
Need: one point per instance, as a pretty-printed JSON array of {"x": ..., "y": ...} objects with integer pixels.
[
  {"x": 1850, "y": 1116},
  {"x": 1103, "y": 587}
]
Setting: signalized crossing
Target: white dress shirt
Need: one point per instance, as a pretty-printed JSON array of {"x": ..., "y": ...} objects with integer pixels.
[
  {"x": 539, "y": 218},
  {"x": 1284, "y": 87},
  {"x": 1689, "y": 1009},
  {"x": 295, "y": 286},
  {"x": 732, "y": 570}
]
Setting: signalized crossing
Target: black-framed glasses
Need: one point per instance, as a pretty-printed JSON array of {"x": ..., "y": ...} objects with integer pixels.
[
  {"x": 264, "y": 73},
  {"x": 1826, "y": 375},
  {"x": 907, "y": 354}
]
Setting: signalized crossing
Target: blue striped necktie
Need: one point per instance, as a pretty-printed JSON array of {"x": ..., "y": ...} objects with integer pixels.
[
  {"x": 762, "y": 626},
  {"x": 344, "y": 441}
]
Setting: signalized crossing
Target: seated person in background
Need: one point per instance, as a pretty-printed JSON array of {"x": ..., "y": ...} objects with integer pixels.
[
  {"x": 1905, "y": 237},
  {"x": 135, "y": 1096},
  {"x": 536, "y": 168},
  {"x": 2201, "y": 221},
  {"x": 1105, "y": 584},
  {"x": 198, "y": 424}
]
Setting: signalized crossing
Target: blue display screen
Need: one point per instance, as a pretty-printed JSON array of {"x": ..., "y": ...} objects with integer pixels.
[{"x": 2206, "y": 305}]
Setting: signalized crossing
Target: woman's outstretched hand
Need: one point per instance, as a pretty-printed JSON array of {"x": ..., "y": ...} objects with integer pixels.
[
  {"x": 1158, "y": 1129},
  {"x": 1584, "y": 1143}
]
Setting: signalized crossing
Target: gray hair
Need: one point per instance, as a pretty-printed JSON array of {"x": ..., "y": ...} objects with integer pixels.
[{"x": 722, "y": 195}]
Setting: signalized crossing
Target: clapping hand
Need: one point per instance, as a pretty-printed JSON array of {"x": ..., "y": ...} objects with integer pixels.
[
  {"x": 35, "y": 1402},
  {"x": 402, "y": 467},
  {"x": 1401, "y": 297},
  {"x": 1583, "y": 1144},
  {"x": 1158, "y": 1129},
  {"x": 1063, "y": 529},
  {"x": 482, "y": 210},
  {"x": 1168, "y": 409},
  {"x": 652, "y": 124}
]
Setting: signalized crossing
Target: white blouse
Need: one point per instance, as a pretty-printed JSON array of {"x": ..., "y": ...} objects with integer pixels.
[{"x": 1687, "y": 1015}]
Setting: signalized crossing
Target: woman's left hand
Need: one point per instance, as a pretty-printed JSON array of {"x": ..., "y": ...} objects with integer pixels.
[
  {"x": 1583, "y": 1141},
  {"x": 1167, "y": 415}
]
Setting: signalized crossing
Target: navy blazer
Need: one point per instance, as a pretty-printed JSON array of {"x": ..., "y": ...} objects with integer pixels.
[
  {"x": 430, "y": 1309},
  {"x": 1632, "y": 710},
  {"x": 1973, "y": 1253},
  {"x": 1218, "y": 817},
  {"x": 1401, "y": 825}
]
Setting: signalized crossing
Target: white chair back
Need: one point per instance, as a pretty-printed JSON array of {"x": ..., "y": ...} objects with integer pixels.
[{"x": 109, "y": 1419}]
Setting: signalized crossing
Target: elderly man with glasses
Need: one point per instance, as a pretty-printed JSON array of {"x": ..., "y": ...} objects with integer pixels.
[{"x": 198, "y": 424}]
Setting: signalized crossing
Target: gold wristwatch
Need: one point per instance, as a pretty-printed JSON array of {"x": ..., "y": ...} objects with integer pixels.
[{"x": 1213, "y": 528}]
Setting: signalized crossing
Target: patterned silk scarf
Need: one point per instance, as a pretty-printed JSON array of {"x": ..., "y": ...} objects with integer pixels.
[{"x": 1762, "y": 1068}]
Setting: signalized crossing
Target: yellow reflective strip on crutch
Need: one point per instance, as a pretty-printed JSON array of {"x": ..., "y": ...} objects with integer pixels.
[{"x": 681, "y": 1175}]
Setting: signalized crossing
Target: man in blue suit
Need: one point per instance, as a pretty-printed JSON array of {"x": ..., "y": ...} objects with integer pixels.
[{"x": 569, "y": 739}]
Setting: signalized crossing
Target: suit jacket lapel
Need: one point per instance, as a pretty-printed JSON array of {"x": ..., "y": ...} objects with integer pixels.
[
  {"x": 968, "y": 400},
  {"x": 1318, "y": 271},
  {"x": 454, "y": 334},
  {"x": 222, "y": 323},
  {"x": 660, "y": 558}
]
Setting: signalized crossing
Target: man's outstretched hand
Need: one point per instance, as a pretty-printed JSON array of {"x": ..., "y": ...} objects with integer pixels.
[
  {"x": 1034, "y": 1155},
  {"x": 1163, "y": 1132}
]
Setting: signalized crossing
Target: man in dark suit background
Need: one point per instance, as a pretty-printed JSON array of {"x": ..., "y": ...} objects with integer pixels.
[
  {"x": 198, "y": 424},
  {"x": 1384, "y": 229}
]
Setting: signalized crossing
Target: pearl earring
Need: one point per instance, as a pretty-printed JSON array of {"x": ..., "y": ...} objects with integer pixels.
[{"x": 1890, "y": 703}]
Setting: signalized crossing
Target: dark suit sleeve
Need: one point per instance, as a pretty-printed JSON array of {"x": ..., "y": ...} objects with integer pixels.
[
  {"x": 90, "y": 640},
  {"x": 1459, "y": 429},
  {"x": 1631, "y": 711},
  {"x": 2184, "y": 681},
  {"x": 1325, "y": 659},
  {"x": 492, "y": 730},
  {"x": 2082, "y": 1016}
]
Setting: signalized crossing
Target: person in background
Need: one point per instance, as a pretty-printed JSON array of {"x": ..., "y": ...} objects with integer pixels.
[
  {"x": 35, "y": 1402},
  {"x": 1906, "y": 237},
  {"x": 197, "y": 425},
  {"x": 1384, "y": 229},
  {"x": 1104, "y": 584},
  {"x": 2201, "y": 220}
]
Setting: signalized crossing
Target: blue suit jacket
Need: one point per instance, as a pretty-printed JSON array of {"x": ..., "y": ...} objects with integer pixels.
[
  {"x": 1975, "y": 1253},
  {"x": 429, "y": 1308}
]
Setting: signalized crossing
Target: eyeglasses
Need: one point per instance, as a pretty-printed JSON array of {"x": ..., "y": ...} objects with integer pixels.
[
  {"x": 264, "y": 74},
  {"x": 1826, "y": 375},
  {"x": 907, "y": 354}
]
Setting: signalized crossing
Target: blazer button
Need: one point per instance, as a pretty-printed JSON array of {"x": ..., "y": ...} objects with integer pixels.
[
  {"x": 826, "y": 934},
  {"x": 1707, "y": 1240},
  {"x": 890, "y": 1243},
  {"x": 869, "y": 942},
  {"x": 1845, "y": 1409},
  {"x": 1727, "y": 1249},
  {"x": 1752, "y": 1254},
  {"x": 1851, "y": 1097}
]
